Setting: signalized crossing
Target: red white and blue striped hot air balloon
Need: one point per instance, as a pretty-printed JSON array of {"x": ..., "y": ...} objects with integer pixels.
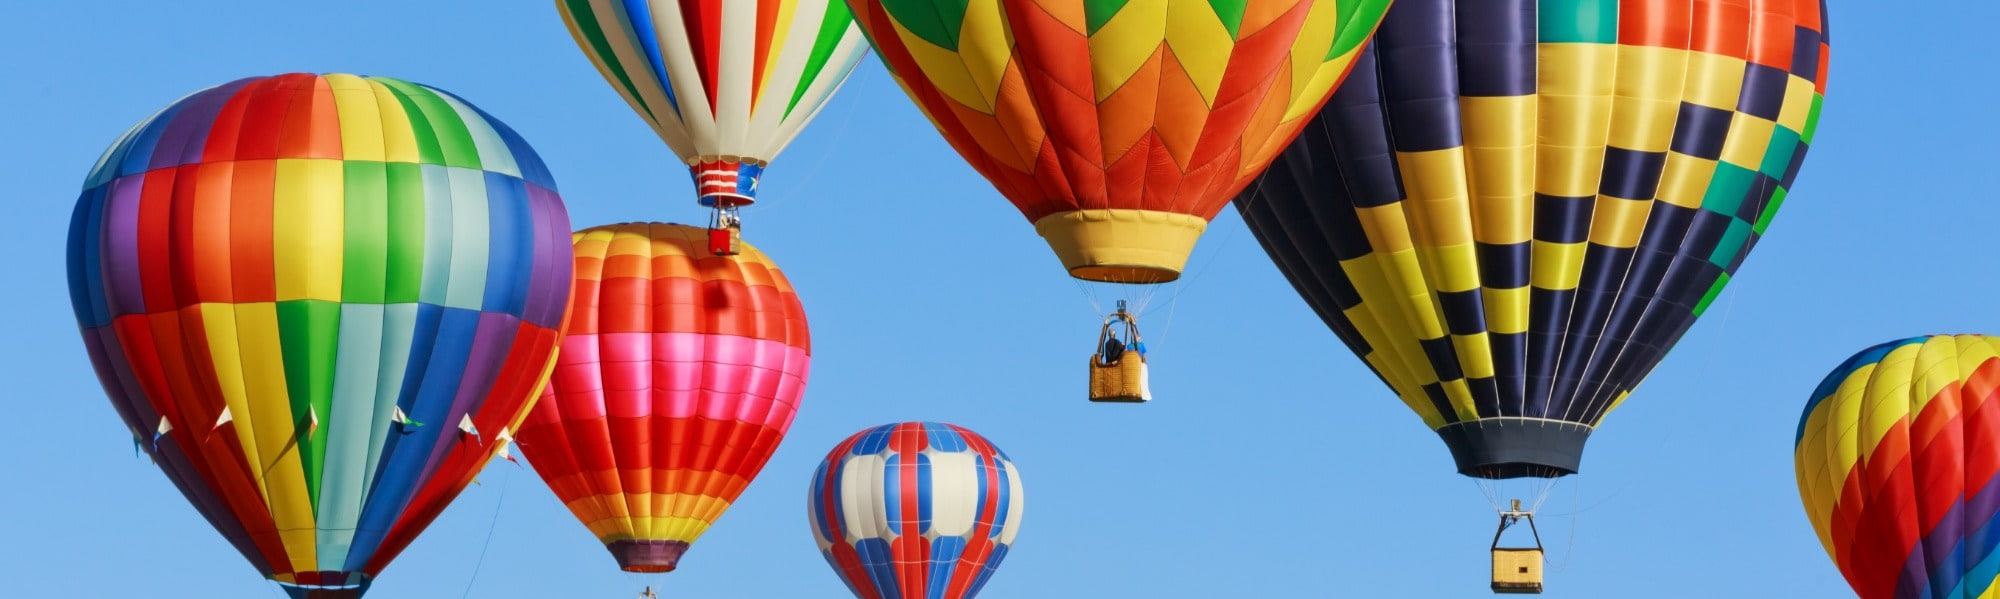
[{"x": 915, "y": 509}]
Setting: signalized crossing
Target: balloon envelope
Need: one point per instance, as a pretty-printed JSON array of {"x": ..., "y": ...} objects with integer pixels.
[
  {"x": 678, "y": 378},
  {"x": 726, "y": 83},
  {"x": 1118, "y": 128},
  {"x": 320, "y": 301},
  {"x": 1515, "y": 208},
  {"x": 915, "y": 509},
  {"x": 1898, "y": 465}
]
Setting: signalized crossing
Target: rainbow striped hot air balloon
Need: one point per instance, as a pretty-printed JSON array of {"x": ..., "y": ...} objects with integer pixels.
[
  {"x": 1898, "y": 465},
  {"x": 681, "y": 372},
  {"x": 321, "y": 302},
  {"x": 915, "y": 509}
]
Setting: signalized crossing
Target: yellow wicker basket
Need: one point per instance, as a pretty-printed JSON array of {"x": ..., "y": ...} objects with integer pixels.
[
  {"x": 1517, "y": 570},
  {"x": 1124, "y": 381}
]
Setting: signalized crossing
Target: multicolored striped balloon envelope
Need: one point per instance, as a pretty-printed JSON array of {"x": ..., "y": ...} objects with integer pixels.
[
  {"x": 680, "y": 374},
  {"x": 322, "y": 302},
  {"x": 915, "y": 509},
  {"x": 1119, "y": 128},
  {"x": 726, "y": 83},
  {"x": 1516, "y": 207},
  {"x": 1898, "y": 464}
]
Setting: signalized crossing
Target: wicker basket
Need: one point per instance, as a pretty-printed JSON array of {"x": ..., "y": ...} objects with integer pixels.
[
  {"x": 1517, "y": 570},
  {"x": 1123, "y": 382}
]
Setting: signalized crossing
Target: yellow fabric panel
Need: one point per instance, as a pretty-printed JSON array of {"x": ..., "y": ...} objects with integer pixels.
[
  {"x": 308, "y": 197},
  {"x": 1434, "y": 185},
  {"x": 1311, "y": 73},
  {"x": 1618, "y": 222},
  {"x": 1067, "y": 12},
  {"x": 1936, "y": 368},
  {"x": 360, "y": 117},
  {"x": 1199, "y": 41},
  {"x": 1406, "y": 275},
  {"x": 1557, "y": 266},
  {"x": 1452, "y": 268},
  {"x": 945, "y": 68},
  {"x": 1575, "y": 83},
  {"x": 1387, "y": 229},
  {"x": 1460, "y": 396},
  {"x": 1380, "y": 316},
  {"x": 1506, "y": 310},
  {"x": 269, "y": 410},
  {"x": 667, "y": 528},
  {"x": 1475, "y": 354},
  {"x": 1648, "y": 97},
  {"x": 1714, "y": 80},
  {"x": 1798, "y": 103},
  {"x": 225, "y": 354},
  {"x": 986, "y": 53},
  {"x": 399, "y": 139},
  {"x": 1500, "y": 157},
  {"x": 1887, "y": 397},
  {"x": 1749, "y": 137},
  {"x": 1684, "y": 180},
  {"x": 1615, "y": 402}
]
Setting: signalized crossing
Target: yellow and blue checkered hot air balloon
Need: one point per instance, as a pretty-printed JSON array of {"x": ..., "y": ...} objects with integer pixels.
[{"x": 1514, "y": 208}]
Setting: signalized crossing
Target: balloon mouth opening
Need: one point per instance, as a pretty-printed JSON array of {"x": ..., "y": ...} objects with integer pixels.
[
  {"x": 647, "y": 557},
  {"x": 1514, "y": 447},
  {"x": 324, "y": 585},
  {"x": 1134, "y": 247},
  {"x": 1130, "y": 274}
]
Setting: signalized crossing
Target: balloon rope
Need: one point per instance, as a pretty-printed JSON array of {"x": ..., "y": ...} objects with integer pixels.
[
  {"x": 813, "y": 171},
  {"x": 490, "y": 526}
]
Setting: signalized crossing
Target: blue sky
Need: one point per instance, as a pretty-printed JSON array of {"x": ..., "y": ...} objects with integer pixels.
[{"x": 1271, "y": 463}]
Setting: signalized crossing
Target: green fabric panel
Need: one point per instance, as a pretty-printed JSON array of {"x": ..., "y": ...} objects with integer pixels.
[
  {"x": 936, "y": 21},
  {"x": 308, "y": 333},
  {"x": 1770, "y": 211},
  {"x": 1812, "y": 120},
  {"x": 1734, "y": 239},
  {"x": 1230, "y": 12},
  {"x": 454, "y": 141},
  {"x": 1784, "y": 142},
  {"x": 600, "y": 47},
  {"x": 831, "y": 30},
  {"x": 404, "y": 267},
  {"x": 429, "y": 149},
  {"x": 1577, "y": 21},
  {"x": 1358, "y": 20},
  {"x": 1726, "y": 190},
  {"x": 1713, "y": 291},
  {"x": 365, "y": 251}
]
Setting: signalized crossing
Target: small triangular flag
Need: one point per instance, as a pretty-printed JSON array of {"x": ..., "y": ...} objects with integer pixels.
[
  {"x": 465, "y": 426},
  {"x": 404, "y": 419},
  {"x": 223, "y": 419},
  {"x": 161, "y": 432},
  {"x": 503, "y": 439},
  {"x": 312, "y": 421}
]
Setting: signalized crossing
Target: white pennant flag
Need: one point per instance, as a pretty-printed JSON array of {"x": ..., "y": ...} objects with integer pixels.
[
  {"x": 504, "y": 438},
  {"x": 465, "y": 425}
]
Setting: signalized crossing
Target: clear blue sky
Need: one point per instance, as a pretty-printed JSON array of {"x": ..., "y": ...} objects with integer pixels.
[{"x": 1271, "y": 463}]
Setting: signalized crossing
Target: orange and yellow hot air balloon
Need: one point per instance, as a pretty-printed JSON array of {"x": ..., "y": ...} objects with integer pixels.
[{"x": 1119, "y": 128}]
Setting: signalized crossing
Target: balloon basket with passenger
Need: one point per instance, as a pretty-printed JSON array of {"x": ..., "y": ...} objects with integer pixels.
[{"x": 1118, "y": 368}]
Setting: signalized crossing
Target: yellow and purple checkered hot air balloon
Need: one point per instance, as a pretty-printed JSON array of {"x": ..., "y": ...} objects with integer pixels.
[
  {"x": 320, "y": 303},
  {"x": 1119, "y": 127},
  {"x": 725, "y": 83},
  {"x": 1898, "y": 465},
  {"x": 1516, "y": 207}
]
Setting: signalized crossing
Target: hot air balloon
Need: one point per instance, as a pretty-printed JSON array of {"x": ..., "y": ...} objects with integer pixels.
[
  {"x": 319, "y": 303},
  {"x": 1515, "y": 208},
  {"x": 1897, "y": 455},
  {"x": 1518, "y": 207},
  {"x": 678, "y": 378},
  {"x": 726, "y": 84},
  {"x": 1119, "y": 128},
  {"x": 915, "y": 509}
]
